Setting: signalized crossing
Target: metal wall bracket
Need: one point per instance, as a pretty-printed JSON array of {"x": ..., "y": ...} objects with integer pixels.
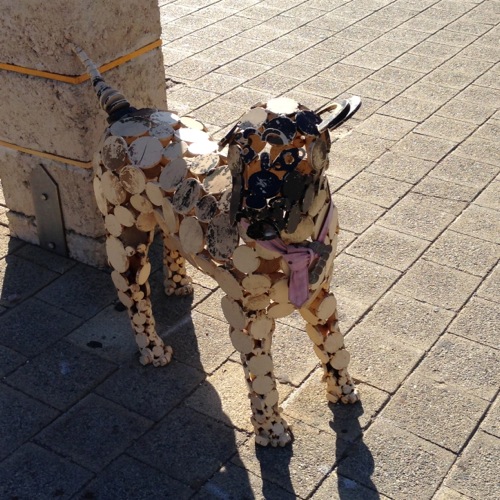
[{"x": 48, "y": 211}]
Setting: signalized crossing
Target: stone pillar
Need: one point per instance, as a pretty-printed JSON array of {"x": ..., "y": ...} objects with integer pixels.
[{"x": 56, "y": 125}]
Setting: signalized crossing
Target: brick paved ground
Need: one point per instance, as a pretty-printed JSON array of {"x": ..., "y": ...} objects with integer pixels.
[{"x": 416, "y": 181}]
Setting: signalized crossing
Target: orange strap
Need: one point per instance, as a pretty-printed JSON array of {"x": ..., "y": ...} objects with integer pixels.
[
  {"x": 48, "y": 156},
  {"x": 76, "y": 80}
]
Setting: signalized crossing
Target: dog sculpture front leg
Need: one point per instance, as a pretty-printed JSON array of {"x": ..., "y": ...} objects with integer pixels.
[
  {"x": 322, "y": 328},
  {"x": 251, "y": 334}
]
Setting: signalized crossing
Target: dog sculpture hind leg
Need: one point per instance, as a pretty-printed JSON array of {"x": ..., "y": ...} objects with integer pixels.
[{"x": 257, "y": 217}]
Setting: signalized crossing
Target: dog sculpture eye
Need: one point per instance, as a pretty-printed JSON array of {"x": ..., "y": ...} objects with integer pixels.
[{"x": 262, "y": 230}]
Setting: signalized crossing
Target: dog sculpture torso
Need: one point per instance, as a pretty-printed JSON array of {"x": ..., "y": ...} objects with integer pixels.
[{"x": 256, "y": 216}]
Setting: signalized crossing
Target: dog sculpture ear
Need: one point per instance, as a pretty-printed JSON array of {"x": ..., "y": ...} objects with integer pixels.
[{"x": 339, "y": 113}]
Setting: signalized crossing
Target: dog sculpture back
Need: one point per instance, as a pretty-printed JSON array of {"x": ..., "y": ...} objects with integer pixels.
[{"x": 253, "y": 211}]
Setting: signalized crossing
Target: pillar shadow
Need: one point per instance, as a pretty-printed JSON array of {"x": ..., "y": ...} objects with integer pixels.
[{"x": 355, "y": 463}]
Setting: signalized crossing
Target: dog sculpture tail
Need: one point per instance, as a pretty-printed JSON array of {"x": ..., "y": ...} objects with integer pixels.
[{"x": 111, "y": 100}]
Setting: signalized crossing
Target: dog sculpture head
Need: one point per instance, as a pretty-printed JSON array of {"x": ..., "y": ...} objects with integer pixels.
[{"x": 278, "y": 154}]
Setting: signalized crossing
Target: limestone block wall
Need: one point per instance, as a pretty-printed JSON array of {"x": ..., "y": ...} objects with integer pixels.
[{"x": 43, "y": 115}]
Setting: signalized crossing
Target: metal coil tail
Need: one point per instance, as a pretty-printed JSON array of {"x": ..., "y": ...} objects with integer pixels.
[{"x": 111, "y": 100}]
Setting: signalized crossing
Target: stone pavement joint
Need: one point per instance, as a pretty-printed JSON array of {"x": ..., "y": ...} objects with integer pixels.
[{"x": 416, "y": 181}]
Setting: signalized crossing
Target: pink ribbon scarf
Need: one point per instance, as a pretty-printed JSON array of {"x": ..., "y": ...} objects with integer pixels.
[{"x": 299, "y": 259}]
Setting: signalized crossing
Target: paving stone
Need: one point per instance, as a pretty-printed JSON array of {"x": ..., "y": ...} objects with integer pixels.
[
  {"x": 276, "y": 84},
  {"x": 454, "y": 38},
  {"x": 219, "y": 112},
  {"x": 193, "y": 445},
  {"x": 465, "y": 171},
  {"x": 298, "y": 467},
  {"x": 201, "y": 341},
  {"x": 491, "y": 423},
  {"x": 362, "y": 280},
  {"x": 489, "y": 131},
  {"x": 356, "y": 215},
  {"x": 149, "y": 391},
  {"x": 415, "y": 62},
  {"x": 361, "y": 146},
  {"x": 380, "y": 359},
  {"x": 466, "y": 111},
  {"x": 403, "y": 168},
  {"x": 191, "y": 68},
  {"x": 9, "y": 360},
  {"x": 465, "y": 26},
  {"x": 374, "y": 243},
  {"x": 445, "y": 128},
  {"x": 479, "y": 222},
  {"x": 375, "y": 189},
  {"x": 435, "y": 411},
  {"x": 407, "y": 108},
  {"x": 490, "y": 288},
  {"x": 464, "y": 253},
  {"x": 185, "y": 99},
  {"x": 82, "y": 291},
  {"x": 429, "y": 92},
  {"x": 94, "y": 432},
  {"x": 386, "y": 127},
  {"x": 468, "y": 365},
  {"x": 44, "y": 258},
  {"x": 8, "y": 245},
  {"x": 243, "y": 69},
  {"x": 61, "y": 375},
  {"x": 32, "y": 472},
  {"x": 231, "y": 481},
  {"x": 192, "y": 44},
  {"x": 224, "y": 397},
  {"x": 473, "y": 474},
  {"x": 344, "y": 166},
  {"x": 425, "y": 147},
  {"x": 480, "y": 149},
  {"x": 337, "y": 487},
  {"x": 445, "y": 493},
  {"x": 368, "y": 59},
  {"x": 294, "y": 70},
  {"x": 20, "y": 278},
  {"x": 382, "y": 91},
  {"x": 345, "y": 73},
  {"x": 129, "y": 478},
  {"x": 437, "y": 285},
  {"x": 32, "y": 337},
  {"x": 324, "y": 87},
  {"x": 447, "y": 191},
  {"x": 385, "y": 45},
  {"x": 381, "y": 462},
  {"x": 20, "y": 418},
  {"x": 267, "y": 56},
  {"x": 108, "y": 335},
  {"x": 458, "y": 72},
  {"x": 246, "y": 97},
  {"x": 292, "y": 350},
  {"x": 477, "y": 321},
  {"x": 411, "y": 217},
  {"x": 309, "y": 404},
  {"x": 400, "y": 76},
  {"x": 408, "y": 320},
  {"x": 349, "y": 312},
  {"x": 436, "y": 50}
]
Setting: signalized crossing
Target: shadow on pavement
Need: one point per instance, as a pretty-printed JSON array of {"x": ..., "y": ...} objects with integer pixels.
[{"x": 348, "y": 429}]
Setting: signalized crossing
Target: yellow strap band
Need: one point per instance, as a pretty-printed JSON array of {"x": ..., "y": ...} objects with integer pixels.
[
  {"x": 48, "y": 156},
  {"x": 76, "y": 80}
]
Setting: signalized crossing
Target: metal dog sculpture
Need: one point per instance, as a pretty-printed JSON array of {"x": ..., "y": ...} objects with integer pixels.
[{"x": 253, "y": 211}]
